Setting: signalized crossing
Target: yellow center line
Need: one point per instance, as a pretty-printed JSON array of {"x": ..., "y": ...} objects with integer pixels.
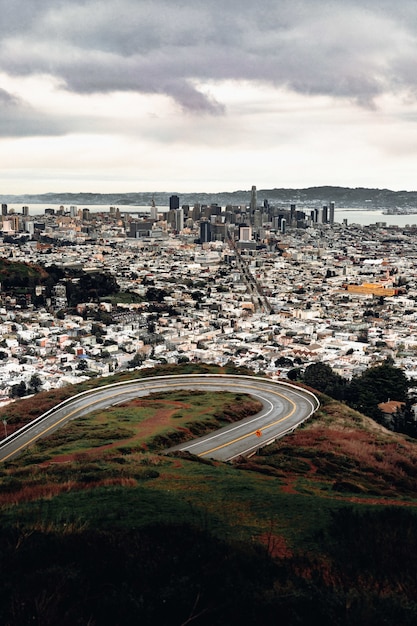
[
  {"x": 66, "y": 417},
  {"x": 253, "y": 432},
  {"x": 161, "y": 386}
]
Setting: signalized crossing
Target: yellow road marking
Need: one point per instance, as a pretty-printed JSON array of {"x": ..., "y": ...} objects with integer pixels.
[
  {"x": 67, "y": 417},
  {"x": 253, "y": 432}
]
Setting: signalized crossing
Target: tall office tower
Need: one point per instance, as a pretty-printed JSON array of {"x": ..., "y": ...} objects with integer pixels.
[
  {"x": 205, "y": 231},
  {"x": 171, "y": 218},
  {"x": 29, "y": 227},
  {"x": 325, "y": 214},
  {"x": 257, "y": 218},
  {"x": 283, "y": 225},
  {"x": 205, "y": 211},
  {"x": 266, "y": 203},
  {"x": 196, "y": 212},
  {"x": 15, "y": 222},
  {"x": 215, "y": 209},
  {"x": 174, "y": 203},
  {"x": 4, "y": 209},
  {"x": 293, "y": 209},
  {"x": 245, "y": 233},
  {"x": 86, "y": 215},
  {"x": 253, "y": 199},
  {"x": 74, "y": 211},
  {"x": 25, "y": 210},
  {"x": 179, "y": 220},
  {"x": 331, "y": 213},
  {"x": 154, "y": 212}
]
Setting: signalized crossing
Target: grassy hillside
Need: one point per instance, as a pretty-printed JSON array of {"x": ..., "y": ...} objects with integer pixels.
[
  {"x": 100, "y": 527},
  {"x": 17, "y": 274}
]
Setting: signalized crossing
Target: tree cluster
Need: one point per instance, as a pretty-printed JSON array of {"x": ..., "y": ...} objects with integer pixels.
[
  {"x": 22, "y": 389},
  {"x": 365, "y": 392},
  {"x": 90, "y": 287}
]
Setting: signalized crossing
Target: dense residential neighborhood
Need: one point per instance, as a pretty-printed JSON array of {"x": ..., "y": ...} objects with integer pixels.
[{"x": 269, "y": 288}]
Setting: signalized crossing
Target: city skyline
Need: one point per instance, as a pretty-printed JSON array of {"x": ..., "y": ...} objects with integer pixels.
[{"x": 106, "y": 97}]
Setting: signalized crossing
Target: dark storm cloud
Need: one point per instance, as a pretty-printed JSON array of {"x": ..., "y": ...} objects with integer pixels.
[
  {"x": 7, "y": 99},
  {"x": 354, "y": 50},
  {"x": 18, "y": 119}
]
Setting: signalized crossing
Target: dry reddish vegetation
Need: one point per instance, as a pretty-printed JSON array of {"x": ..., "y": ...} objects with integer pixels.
[
  {"x": 115, "y": 446},
  {"x": 276, "y": 545},
  {"x": 24, "y": 410},
  {"x": 162, "y": 413},
  {"x": 32, "y": 492},
  {"x": 345, "y": 453}
]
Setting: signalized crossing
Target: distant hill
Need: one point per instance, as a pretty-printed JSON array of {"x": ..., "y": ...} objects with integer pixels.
[{"x": 358, "y": 197}]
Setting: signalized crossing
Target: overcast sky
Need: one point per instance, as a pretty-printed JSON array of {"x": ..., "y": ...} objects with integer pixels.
[{"x": 154, "y": 95}]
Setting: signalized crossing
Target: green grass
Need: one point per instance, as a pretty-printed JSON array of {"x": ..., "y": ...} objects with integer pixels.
[
  {"x": 193, "y": 413},
  {"x": 119, "y": 450},
  {"x": 222, "y": 499},
  {"x": 317, "y": 507}
]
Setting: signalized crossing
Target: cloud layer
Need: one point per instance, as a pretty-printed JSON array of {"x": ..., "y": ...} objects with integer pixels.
[
  {"x": 214, "y": 76},
  {"x": 354, "y": 50}
]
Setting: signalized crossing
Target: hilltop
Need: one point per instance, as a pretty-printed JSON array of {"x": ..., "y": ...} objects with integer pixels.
[{"x": 100, "y": 527}]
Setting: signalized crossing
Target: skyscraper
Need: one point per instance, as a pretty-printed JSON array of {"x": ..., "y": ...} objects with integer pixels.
[
  {"x": 179, "y": 220},
  {"x": 174, "y": 203},
  {"x": 331, "y": 213},
  {"x": 154, "y": 211},
  {"x": 245, "y": 233},
  {"x": 253, "y": 199},
  {"x": 205, "y": 231}
]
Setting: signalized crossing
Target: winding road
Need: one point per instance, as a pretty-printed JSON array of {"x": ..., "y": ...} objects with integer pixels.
[{"x": 284, "y": 407}]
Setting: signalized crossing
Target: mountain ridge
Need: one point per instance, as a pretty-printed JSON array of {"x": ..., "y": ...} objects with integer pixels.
[{"x": 359, "y": 197}]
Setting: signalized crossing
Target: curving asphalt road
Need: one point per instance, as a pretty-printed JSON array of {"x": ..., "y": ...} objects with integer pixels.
[{"x": 285, "y": 406}]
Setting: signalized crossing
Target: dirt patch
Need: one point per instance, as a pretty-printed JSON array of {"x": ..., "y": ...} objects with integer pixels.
[{"x": 160, "y": 418}]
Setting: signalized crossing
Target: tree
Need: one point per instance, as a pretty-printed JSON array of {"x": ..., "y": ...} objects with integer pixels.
[
  {"x": 91, "y": 287},
  {"x": 98, "y": 330},
  {"x": 377, "y": 384},
  {"x": 295, "y": 374},
  {"x": 18, "y": 391},
  {"x": 136, "y": 361},
  {"x": 283, "y": 361},
  {"x": 35, "y": 383},
  {"x": 320, "y": 376},
  {"x": 154, "y": 294}
]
